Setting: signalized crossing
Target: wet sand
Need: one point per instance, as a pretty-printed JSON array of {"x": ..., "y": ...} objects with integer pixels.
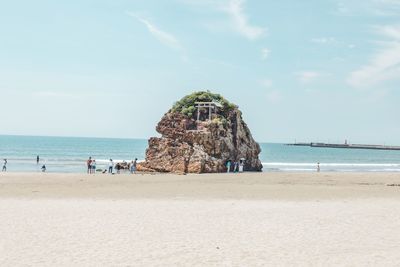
[{"x": 278, "y": 186}]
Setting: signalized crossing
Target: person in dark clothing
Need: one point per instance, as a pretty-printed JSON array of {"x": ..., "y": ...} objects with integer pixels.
[
  {"x": 118, "y": 167},
  {"x": 4, "y": 166},
  {"x": 89, "y": 165},
  {"x": 235, "y": 166}
]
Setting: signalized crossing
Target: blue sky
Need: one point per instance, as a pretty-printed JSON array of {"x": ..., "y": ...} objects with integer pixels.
[{"x": 305, "y": 70}]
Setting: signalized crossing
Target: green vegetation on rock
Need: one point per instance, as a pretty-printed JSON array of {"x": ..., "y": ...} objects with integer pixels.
[{"x": 187, "y": 105}]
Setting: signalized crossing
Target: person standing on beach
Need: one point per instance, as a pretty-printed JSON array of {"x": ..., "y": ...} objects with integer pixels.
[
  {"x": 110, "y": 166},
  {"x": 118, "y": 167},
  {"x": 37, "y": 159},
  {"x": 318, "y": 168},
  {"x": 4, "y": 166},
  {"x": 235, "y": 166},
  {"x": 89, "y": 165},
  {"x": 228, "y": 166},
  {"x": 133, "y": 166},
  {"x": 94, "y": 166},
  {"x": 241, "y": 165}
]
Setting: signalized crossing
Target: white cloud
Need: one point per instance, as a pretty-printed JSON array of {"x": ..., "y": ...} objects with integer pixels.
[
  {"x": 323, "y": 40},
  {"x": 307, "y": 76},
  {"x": 376, "y": 8},
  {"x": 48, "y": 94},
  {"x": 338, "y": 59},
  {"x": 222, "y": 63},
  {"x": 273, "y": 96},
  {"x": 265, "y": 53},
  {"x": 391, "y": 31},
  {"x": 384, "y": 65},
  {"x": 162, "y": 36},
  {"x": 238, "y": 19},
  {"x": 240, "y": 23},
  {"x": 331, "y": 41},
  {"x": 343, "y": 9},
  {"x": 266, "y": 83},
  {"x": 385, "y": 7}
]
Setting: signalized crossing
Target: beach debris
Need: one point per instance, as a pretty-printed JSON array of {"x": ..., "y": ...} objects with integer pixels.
[
  {"x": 392, "y": 184},
  {"x": 200, "y": 134}
]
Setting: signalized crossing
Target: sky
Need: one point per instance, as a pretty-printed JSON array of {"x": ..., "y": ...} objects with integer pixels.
[{"x": 299, "y": 70}]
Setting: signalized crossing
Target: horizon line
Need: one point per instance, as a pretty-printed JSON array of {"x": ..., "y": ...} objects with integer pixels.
[{"x": 144, "y": 138}]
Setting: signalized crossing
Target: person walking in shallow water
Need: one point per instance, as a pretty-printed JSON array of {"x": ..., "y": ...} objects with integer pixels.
[
  {"x": 37, "y": 159},
  {"x": 4, "y": 169},
  {"x": 318, "y": 168}
]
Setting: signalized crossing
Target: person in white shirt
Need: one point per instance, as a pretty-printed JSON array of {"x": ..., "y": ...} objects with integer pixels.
[
  {"x": 110, "y": 166},
  {"x": 241, "y": 166}
]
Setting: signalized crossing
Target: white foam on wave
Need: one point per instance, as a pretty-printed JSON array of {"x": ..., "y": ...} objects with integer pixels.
[
  {"x": 297, "y": 169},
  {"x": 116, "y": 160},
  {"x": 331, "y": 164},
  {"x": 331, "y": 167}
]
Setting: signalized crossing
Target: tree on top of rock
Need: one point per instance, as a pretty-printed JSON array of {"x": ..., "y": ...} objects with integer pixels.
[{"x": 187, "y": 105}]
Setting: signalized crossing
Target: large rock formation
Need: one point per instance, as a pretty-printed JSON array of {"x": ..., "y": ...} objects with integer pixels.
[{"x": 195, "y": 142}]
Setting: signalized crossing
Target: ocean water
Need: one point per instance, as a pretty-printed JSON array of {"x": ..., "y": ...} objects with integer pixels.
[
  {"x": 66, "y": 154},
  {"x": 280, "y": 157},
  {"x": 69, "y": 154}
]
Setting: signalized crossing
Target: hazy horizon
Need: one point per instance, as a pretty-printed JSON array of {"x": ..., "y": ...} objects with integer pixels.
[
  {"x": 307, "y": 71},
  {"x": 155, "y": 135}
]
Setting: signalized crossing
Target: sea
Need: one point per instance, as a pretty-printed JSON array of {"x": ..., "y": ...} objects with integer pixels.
[{"x": 69, "y": 155}]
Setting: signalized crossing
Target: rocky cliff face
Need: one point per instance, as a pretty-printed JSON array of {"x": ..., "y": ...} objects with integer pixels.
[{"x": 188, "y": 145}]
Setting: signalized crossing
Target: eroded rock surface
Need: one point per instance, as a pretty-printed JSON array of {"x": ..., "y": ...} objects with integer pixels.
[{"x": 188, "y": 145}]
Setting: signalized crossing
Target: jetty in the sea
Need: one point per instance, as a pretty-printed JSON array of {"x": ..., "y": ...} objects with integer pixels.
[{"x": 346, "y": 145}]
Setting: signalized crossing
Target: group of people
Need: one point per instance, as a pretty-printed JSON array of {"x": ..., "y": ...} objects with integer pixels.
[
  {"x": 112, "y": 167},
  {"x": 43, "y": 166},
  {"x": 91, "y": 165},
  {"x": 5, "y": 161},
  {"x": 235, "y": 166},
  {"x": 132, "y": 166}
]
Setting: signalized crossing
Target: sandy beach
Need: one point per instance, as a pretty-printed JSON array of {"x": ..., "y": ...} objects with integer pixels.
[{"x": 251, "y": 219}]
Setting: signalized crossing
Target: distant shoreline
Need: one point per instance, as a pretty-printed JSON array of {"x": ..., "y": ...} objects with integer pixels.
[{"x": 347, "y": 146}]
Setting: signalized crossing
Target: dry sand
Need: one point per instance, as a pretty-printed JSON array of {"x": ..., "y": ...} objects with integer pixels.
[{"x": 255, "y": 219}]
